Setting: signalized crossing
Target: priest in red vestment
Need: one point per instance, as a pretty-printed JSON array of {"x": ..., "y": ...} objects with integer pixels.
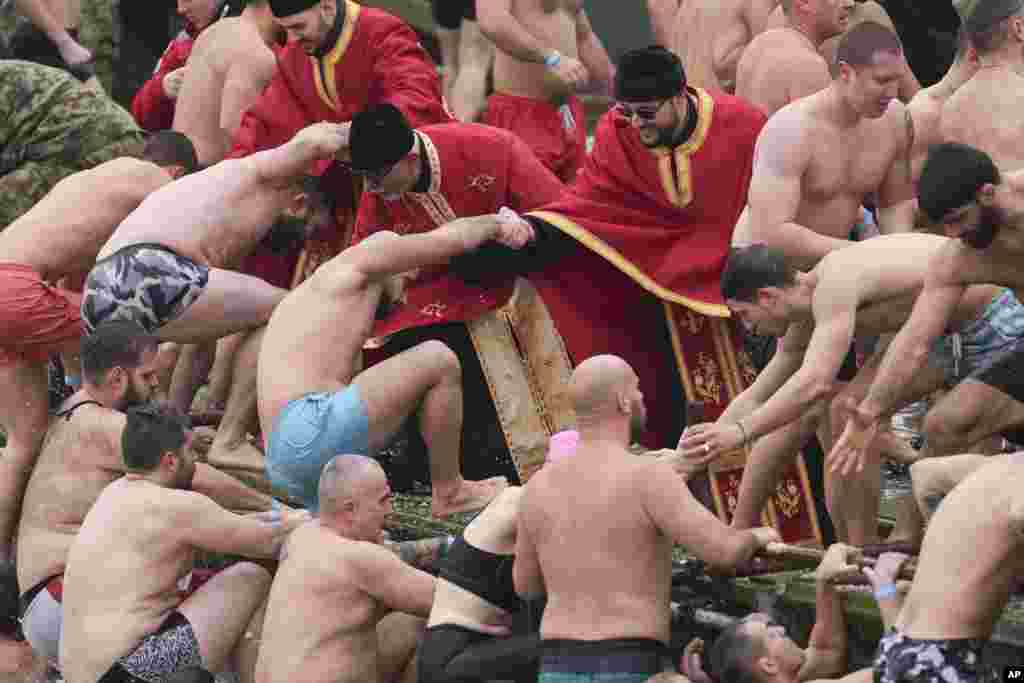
[
  {"x": 417, "y": 181},
  {"x": 628, "y": 259},
  {"x": 341, "y": 58}
]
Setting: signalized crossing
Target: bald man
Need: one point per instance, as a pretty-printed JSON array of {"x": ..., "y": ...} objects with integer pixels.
[
  {"x": 328, "y": 615},
  {"x": 609, "y": 613},
  {"x": 783, "y": 64},
  {"x": 711, "y": 35},
  {"x": 988, "y": 111}
]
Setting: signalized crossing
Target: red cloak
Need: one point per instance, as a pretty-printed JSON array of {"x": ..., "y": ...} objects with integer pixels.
[
  {"x": 377, "y": 58},
  {"x": 656, "y": 222},
  {"x": 474, "y": 170}
]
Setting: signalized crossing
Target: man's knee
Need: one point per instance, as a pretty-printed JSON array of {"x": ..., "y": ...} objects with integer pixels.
[
  {"x": 441, "y": 357},
  {"x": 926, "y": 479},
  {"x": 251, "y": 575},
  {"x": 945, "y": 426}
]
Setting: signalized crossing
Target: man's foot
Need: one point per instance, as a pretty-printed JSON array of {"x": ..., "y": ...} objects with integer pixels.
[
  {"x": 242, "y": 456},
  {"x": 469, "y": 496}
]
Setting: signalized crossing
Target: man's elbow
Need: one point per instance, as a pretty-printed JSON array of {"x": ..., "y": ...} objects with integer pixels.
[{"x": 734, "y": 550}]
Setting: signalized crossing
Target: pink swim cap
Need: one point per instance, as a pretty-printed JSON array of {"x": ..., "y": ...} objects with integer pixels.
[{"x": 562, "y": 445}]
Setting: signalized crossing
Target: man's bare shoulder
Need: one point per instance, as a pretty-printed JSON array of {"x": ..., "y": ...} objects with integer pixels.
[
  {"x": 953, "y": 263},
  {"x": 789, "y": 132},
  {"x": 96, "y": 428}
]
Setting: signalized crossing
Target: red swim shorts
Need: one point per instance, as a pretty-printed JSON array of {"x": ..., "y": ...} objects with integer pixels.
[
  {"x": 36, "y": 319},
  {"x": 560, "y": 144}
]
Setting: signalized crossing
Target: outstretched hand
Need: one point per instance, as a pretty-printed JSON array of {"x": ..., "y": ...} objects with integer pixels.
[
  {"x": 325, "y": 139},
  {"x": 704, "y": 442},
  {"x": 513, "y": 230},
  {"x": 836, "y": 562},
  {"x": 849, "y": 453}
]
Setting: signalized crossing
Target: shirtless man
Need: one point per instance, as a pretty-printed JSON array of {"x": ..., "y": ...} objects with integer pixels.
[
  {"x": 783, "y": 64},
  {"x": 988, "y": 111},
  {"x": 801, "y": 199},
  {"x": 124, "y": 615},
  {"x": 610, "y": 613},
  {"x": 167, "y": 265},
  {"x": 80, "y": 456},
  {"x": 926, "y": 108},
  {"x": 230, "y": 65},
  {"x": 758, "y": 650},
  {"x": 711, "y": 35},
  {"x": 324, "y": 615},
  {"x": 312, "y": 403},
  {"x": 866, "y": 289},
  {"x": 960, "y": 588},
  {"x": 863, "y": 10},
  {"x": 962, "y": 190},
  {"x": 546, "y": 53},
  {"x": 466, "y": 56},
  {"x": 59, "y": 237}
]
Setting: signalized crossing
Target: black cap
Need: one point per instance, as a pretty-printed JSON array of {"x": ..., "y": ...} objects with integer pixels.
[
  {"x": 380, "y": 137},
  {"x": 286, "y": 8},
  {"x": 650, "y": 73}
]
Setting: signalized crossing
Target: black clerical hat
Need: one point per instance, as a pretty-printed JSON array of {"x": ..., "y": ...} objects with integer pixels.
[
  {"x": 380, "y": 137},
  {"x": 286, "y": 8},
  {"x": 650, "y": 73}
]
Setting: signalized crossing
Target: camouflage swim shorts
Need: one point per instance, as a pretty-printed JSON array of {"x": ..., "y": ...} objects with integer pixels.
[{"x": 933, "y": 661}]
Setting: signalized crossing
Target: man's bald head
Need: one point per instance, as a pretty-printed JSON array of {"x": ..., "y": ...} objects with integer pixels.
[
  {"x": 340, "y": 479},
  {"x": 597, "y": 383}
]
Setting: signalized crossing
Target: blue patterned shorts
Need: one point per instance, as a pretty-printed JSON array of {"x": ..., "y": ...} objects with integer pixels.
[
  {"x": 927, "y": 661},
  {"x": 998, "y": 331}
]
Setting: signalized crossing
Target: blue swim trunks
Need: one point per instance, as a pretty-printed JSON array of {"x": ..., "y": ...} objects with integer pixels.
[
  {"x": 982, "y": 342},
  {"x": 309, "y": 432},
  {"x": 630, "y": 660}
]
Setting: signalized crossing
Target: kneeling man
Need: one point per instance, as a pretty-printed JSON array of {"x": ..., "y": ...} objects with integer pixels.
[
  {"x": 312, "y": 403},
  {"x": 124, "y": 616}
]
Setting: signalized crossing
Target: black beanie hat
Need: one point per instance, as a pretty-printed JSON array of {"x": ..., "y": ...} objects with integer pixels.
[
  {"x": 380, "y": 137},
  {"x": 650, "y": 73},
  {"x": 286, "y": 8}
]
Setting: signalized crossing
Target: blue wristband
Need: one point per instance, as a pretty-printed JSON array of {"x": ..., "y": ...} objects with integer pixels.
[
  {"x": 552, "y": 60},
  {"x": 886, "y": 591},
  {"x": 275, "y": 509}
]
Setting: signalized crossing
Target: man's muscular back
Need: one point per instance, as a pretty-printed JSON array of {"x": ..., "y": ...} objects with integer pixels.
[
  {"x": 61, "y": 234},
  {"x": 213, "y": 217},
  {"x": 960, "y": 588},
  {"x": 987, "y": 112},
  {"x": 79, "y": 457},
  {"x": 227, "y": 70},
  {"x": 710, "y": 36},
  {"x": 552, "y": 23}
]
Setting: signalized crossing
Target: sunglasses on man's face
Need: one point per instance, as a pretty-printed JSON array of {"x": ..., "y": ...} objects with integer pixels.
[
  {"x": 376, "y": 174},
  {"x": 644, "y": 113}
]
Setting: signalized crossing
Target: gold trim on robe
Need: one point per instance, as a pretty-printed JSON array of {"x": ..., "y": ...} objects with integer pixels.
[
  {"x": 329, "y": 91},
  {"x": 609, "y": 253},
  {"x": 677, "y": 185}
]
